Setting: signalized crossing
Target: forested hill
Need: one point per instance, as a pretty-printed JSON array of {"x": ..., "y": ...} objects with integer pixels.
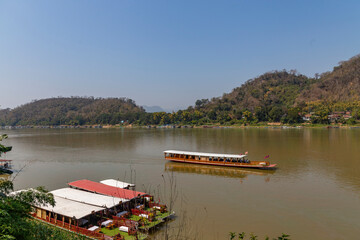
[
  {"x": 277, "y": 88},
  {"x": 72, "y": 111},
  {"x": 282, "y": 90},
  {"x": 340, "y": 85},
  {"x": 285, "y": 96}
]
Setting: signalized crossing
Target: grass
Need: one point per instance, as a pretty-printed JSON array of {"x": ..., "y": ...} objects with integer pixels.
[
  {"x": 162, "y": 215},
  {"x": 150, "y": 224},
  {"x": 147, "y": 224},
  {"x": 115, "y": 231}
]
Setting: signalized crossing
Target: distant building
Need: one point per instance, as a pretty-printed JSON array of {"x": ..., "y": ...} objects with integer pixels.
[
  {"x": 334, "y": 117},
  {"x": 347, "y": 116},
  {"x": 307, "y": 117}
]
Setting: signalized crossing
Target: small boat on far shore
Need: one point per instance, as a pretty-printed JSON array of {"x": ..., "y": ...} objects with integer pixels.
[
  {"x": 215, "y": 159},
  {"x": 5, "y": 166}
]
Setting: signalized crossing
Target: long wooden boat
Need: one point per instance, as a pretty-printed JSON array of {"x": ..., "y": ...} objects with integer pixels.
[{"x": 215, "y": 159}]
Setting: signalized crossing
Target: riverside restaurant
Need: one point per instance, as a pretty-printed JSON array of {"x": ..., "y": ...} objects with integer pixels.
[{"x": 102, "y": 211}]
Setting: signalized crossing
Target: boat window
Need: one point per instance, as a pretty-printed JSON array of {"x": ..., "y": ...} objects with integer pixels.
[
  {"x": 210, "y": 158},
  {"x": 221, "y": 159}
]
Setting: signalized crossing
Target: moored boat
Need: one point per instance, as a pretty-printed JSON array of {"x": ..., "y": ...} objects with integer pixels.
[
  {"x": 215, "y": 159},
  {"x": 5, "y": 166}
]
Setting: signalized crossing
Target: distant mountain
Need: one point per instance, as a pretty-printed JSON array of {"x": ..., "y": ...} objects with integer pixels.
[
  {"x": 152, "y": 109},
  {"x": 72, "y": 111}
]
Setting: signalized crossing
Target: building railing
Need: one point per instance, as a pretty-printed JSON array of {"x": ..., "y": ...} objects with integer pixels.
[{"x": 72, "y": 228}]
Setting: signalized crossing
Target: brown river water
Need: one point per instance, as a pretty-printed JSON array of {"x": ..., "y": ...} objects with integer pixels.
[{"x": 314, "y": 193}]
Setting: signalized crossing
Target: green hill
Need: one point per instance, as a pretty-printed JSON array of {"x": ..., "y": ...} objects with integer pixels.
[
  {"x": 276, "y": 95},
  {"x": 278, "y": 88},
  {"x": 72, "y": 111}
]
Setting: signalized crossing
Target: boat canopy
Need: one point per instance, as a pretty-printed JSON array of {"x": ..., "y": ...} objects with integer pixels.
[
  {"x": 101, "y": 188},
  {"x": 88, "y": 197},
  {"x": 116, "y": 183},
  {"x": 200, "y": 154}
]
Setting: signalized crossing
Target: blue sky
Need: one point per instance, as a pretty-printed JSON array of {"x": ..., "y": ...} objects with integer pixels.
[{"x": 165, "y": 53}]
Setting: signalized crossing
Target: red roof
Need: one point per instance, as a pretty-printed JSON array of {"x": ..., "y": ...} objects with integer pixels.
[{"x": 105, "y": 189}]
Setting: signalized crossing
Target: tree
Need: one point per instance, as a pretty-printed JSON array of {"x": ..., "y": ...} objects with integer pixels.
[
  {"x": 276, "y": 113},
  {"x": 201, "y": 103},
  {"x": 4, "y": 149},
  {"x": 15, "y": 220},
  {"x": 356, "y": 114},
  {"x": 351, "y": 121},
  {"x": 248, "y": 116},
  {"x": 293, "y": 115},
  {"x": 260, "y": 114},
  {"x": 186, "y": 116},
  {"x": 212, "y": 115},
  {"x": 323, "y": 116}
]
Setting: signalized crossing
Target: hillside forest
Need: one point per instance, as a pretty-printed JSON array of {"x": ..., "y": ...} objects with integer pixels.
[{"x": 277, "y": 96}]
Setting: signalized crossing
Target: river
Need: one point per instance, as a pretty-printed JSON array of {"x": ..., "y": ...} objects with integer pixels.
[{"x": 314, "y": 194}]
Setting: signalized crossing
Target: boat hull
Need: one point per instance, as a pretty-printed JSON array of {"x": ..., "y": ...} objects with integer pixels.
[{"x": 225, "y": 164}]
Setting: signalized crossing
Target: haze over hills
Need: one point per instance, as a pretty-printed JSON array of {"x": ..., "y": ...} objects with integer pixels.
[{"x": 269, "y": 97}]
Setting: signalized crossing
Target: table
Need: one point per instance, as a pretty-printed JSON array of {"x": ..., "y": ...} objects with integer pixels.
[{"x": 106, "y": 223}]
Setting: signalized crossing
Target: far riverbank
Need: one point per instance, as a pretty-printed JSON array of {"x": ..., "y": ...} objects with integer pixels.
[{"x": 259, "y": 125}]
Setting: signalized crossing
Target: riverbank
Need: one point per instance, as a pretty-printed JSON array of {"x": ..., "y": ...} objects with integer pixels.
[{"x": 257, "y": 125}]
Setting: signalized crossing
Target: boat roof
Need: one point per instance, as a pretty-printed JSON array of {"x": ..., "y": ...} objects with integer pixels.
[
  {"x": 104, "y": 189},
  {"x": 116, "y": 183},
  {"x": 205, "y": 154},
  {"x": 88, "y": 197},
  {"x": 71, "y": 208}
]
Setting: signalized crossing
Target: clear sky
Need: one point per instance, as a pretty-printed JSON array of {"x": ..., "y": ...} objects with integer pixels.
[{"x": 167, "y": 53}]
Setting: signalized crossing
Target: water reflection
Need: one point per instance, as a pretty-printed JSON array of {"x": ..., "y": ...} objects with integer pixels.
[
  {"x": 106, "y": 139},
  {"x": 216, "y": 170}
]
